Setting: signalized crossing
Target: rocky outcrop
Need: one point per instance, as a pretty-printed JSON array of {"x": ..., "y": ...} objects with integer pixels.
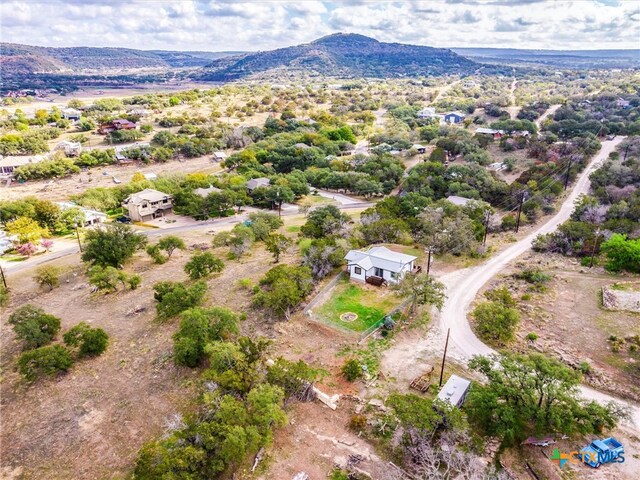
[{"x": 621, "y": 299}]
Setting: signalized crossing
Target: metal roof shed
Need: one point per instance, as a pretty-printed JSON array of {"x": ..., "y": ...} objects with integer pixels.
[{"x": 455, "y": 391}]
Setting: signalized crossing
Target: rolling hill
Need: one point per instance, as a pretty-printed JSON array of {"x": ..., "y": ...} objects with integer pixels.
[
  {"x": 25, "y": 59},
  {"x": 575, "y": 59},
  {"x": 345, "y": 56}
]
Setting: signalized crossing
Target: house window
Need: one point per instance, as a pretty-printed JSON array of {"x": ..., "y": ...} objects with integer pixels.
[
  {"x": 395, "y": 275},
  {"x": 357, "y": 271},
  {"x": 145, "y": 205}
]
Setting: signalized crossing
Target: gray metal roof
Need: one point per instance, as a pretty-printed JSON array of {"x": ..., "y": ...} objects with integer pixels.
[
  {"x": 460, "y": 201},
  {"x": 380, "y": 257},
  {"x": 454, "y": 390},
  {"x": 258, "y": 182},
  {"x": 148, "y": 195}
]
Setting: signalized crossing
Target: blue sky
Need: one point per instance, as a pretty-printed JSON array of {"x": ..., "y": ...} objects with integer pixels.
[{"x": 217, "y": 25}]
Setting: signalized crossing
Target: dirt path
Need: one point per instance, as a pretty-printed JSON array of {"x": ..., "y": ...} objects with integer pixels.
[
  {"x": 550, "y": 111},
  {"x": 362, "y": 147},
  {"x": 513, "y": 109},
  {"x": 444, "y": 90},
  {"x": 463, "y": 285}
]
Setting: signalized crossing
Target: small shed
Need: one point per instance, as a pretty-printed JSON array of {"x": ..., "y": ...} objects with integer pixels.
[
  {"x": 454, "y": 117},
  {"x": 219, "y": 156},
  {"x": 455, "y": 391},
  {"x": 419, "y": 148}
]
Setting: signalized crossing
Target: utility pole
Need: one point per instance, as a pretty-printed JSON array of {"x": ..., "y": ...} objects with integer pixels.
[
  {"x": 593, "y": 250},
  {"x": 4, "y": 280},
  {"x": 444, "y": 356},
  {"x": 429, "y": 260},
  {"x": 626, "y": 150},
  {"x": 78, "y": 237},
  {"x": 487, "y": 216},
  {"x": 524, "y": 194},
  {"x": 566, "y": 178}
]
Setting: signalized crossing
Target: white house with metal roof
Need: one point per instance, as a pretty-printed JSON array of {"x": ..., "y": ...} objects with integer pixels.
[
  {"x": 379, "y": 264},
  {"x": 91, "y": 217},
  {"x": 10, "y": 162}
]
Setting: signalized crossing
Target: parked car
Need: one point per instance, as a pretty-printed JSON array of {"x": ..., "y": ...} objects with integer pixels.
[{"x": 123, "y": 219}]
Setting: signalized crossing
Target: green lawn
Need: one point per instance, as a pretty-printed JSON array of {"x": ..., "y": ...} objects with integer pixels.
[{"x": 368, "y": 302}]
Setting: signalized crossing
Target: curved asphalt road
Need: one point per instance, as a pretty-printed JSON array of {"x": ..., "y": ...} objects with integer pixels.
[{"x": 463, "y": 285}]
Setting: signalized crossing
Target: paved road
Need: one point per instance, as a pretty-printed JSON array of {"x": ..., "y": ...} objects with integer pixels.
[
  {"x": 463, "y": 285},
  {"x": 340, "y": 198},
  {"x": 209, "y": 224}
]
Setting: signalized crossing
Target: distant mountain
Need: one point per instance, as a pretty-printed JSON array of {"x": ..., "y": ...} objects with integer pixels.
[
  {"x": 578, "y": 59},
  {"x": 345, "y": 56},
  {"x": 26, "y": 59}
]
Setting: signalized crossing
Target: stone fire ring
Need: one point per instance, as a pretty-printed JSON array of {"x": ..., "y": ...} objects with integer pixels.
[{"x": 348, "y": 317}]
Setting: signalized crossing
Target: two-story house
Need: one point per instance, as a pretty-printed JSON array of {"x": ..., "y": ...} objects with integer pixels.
[{"x": 148, "y": 204}]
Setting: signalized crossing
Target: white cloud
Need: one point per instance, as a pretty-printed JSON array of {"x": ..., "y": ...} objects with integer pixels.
[{"x": 259, "y": 25}]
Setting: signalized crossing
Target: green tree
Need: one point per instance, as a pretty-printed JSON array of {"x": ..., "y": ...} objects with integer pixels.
[
  {"x": 277, "y": 244},
  {"x": 69, "y": 219},
  {"x": 282, "y": 288},
  {"x": 205, "y": 447},
  {"x": 90, "y": 341},
  {"x": 422, "y": 415},
  {"x": 352, "y": 370},
  {"x": 324, "y": 221},
  {"x": 262, "y": 224},
  {"x": 495, "y": 321},
  {"x": 47, "y": 275},
  {"x": 173, "y": 297},
  {"x": 531, "y": 395},
  {"x": 44, "y": 361},
  {"x": 199, "y": 326},
  {"x": 202, "y": 265},
  {"x": 622, "y": 253},
  {"x": 240, "y": 240},
  {"x": 112, "y": 245},
  {"x": 171, "y": 243},
  {"x": 47, "y": 214},
  {"x": 157, "y": 256},
  {"x": 237, "y": 367},
  {"x": 86, "y": 124},
  {"x": 108, "y": 278},
  {"x": 422, "y": 289},
  {"x": 27, "y": 230},
  {"x": 33, "y": 326},
  {"x": 292, "y": 377},
  {"x": 322, "y": 256}
]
